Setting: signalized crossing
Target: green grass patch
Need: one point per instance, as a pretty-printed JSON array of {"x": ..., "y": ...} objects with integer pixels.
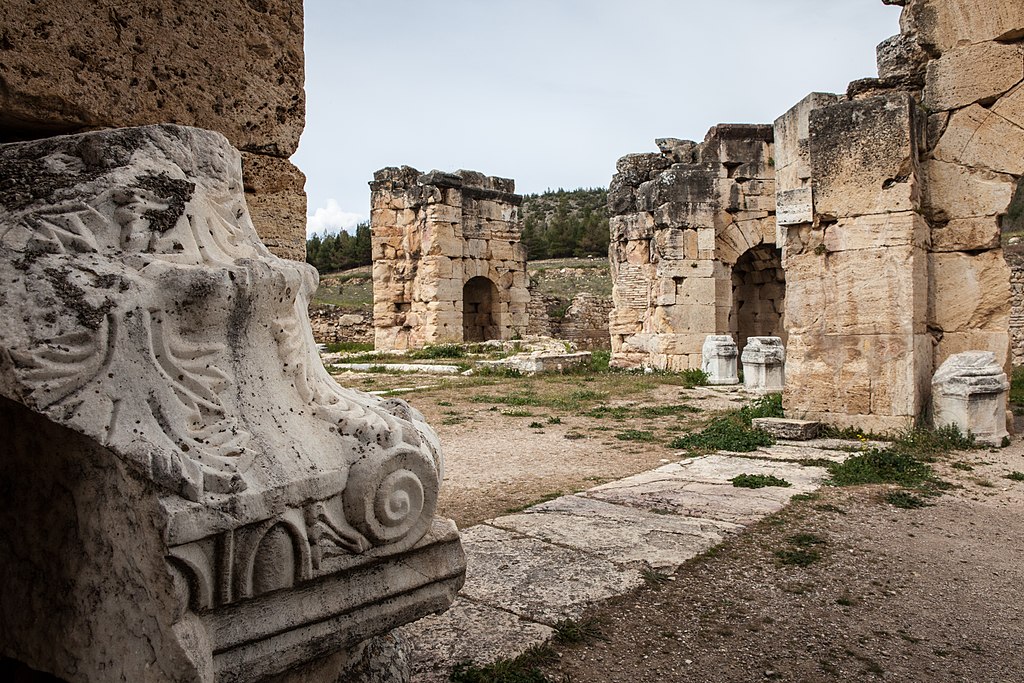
[
  {"x": 806, "y": 540},
  {"x": 881, "y": 466},
  {"x": 517, "y": 412},
  {"x": 758, "y": 481},
  {"x": 693, "y": 377},
  {"x": 536, "y": 425},
  {"x": 438, "y": 351},
  {"x": 554, "y": 420},
  {"x": 653, "y": 578},
  {"x": 959, "y": 465},
  {"x": 522, "y": 669},
  {"x": 1015, "y": 476},
  {"x": 571, "y": 631},
  {"x": 799, "y": 557},
  {"x": 349, "y": 347},
  {"x": 905, "y": 499},
  {"x": 635, "y": 435}
]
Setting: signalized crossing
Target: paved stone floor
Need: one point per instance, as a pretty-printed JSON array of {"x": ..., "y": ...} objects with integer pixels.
[{"x": 529, "y": 570}]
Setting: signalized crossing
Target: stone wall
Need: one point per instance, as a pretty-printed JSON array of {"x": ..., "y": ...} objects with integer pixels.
[
  {"x": 448, "y": 263},
  {"x": 582, "y": 321},
  {"x": 333, "y": 324},
  {"x": 891, "y": 200},
  {"x": 1016, "y": 262},
  {"x": 693, "y": 247},
  {"x": 235, "y": 67}
]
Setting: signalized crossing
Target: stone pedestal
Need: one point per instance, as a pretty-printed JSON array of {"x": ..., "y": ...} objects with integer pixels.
[
  {"x": 718, "y": 359},
  {"x": 763, "y": 365},
  {"x": 969, "y": 391},
  {"x": 188, "y": 495}
]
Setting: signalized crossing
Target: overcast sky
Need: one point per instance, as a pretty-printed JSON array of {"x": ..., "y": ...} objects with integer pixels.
[{"x": 552, "y": 92}]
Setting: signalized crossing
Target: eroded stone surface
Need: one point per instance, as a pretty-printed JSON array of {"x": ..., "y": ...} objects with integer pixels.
[
  {"x": 969, "y": 391},
  {"x": 621, "y": 534},
  {"x": 537, "y": 580},
  {"x": 142, "y": 314}
]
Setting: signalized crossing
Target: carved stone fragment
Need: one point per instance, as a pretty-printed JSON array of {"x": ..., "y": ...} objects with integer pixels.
[
  {"x": 155, "y": 346},
  {"x": 764, "y": 361},
  {"x": 969, "y": 391}
]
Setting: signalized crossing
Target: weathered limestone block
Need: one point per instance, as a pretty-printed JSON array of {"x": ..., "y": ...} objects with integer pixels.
[
  {"x": 942, "y": 25},
  {"x": 276, "y": 197},
  {"x": 156, "y": 365},
  {"x": 900, "y": 55},
  {"x": 764, "y": 361},
  {"x": 718, "y": 359},
  {"x": 953, "y": 191},
  {"x": 979, "y": 138},
  {"x": 874, "y": 382},
  {"x": 784, "y": 428},
  {"x": 903, "y": 229},
  {"x": 861, "y": 292},
  {"x": 967, "y": 234},
  {"x": 793, "y": 160},
  {"x": 975, "y": 73},
  {"x": 969, "y": 391},
  {"x": 969, "y": 291},
  {"x": 1011, "y": 106},
  {"x": 864, "y": 156}
]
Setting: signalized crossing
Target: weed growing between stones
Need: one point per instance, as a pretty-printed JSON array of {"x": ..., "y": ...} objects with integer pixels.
[
  {"x": 349, "y": 347},
  {"x": 758, "y": 481},
  {"x": 732, "y": 431},
  {"x": 438, "y": 351},
  {"x": 571, "y": 631},
  {"x": 521, "y": 669},
  {"x": 694, "y": 377},
  {"x": 653, "y": 578}
]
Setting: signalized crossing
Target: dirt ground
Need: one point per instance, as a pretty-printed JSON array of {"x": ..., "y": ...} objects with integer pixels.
[{"x": 926, "y": 594}]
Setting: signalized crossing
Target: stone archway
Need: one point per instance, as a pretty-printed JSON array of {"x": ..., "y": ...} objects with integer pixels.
[
  {"x": 758, "y": 295},
  {"x": 480, "y": 310}
]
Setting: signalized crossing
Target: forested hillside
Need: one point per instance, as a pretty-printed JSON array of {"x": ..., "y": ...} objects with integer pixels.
[
  {"x": 561, "y": 223},
  {"x": 556, "y": 224}
]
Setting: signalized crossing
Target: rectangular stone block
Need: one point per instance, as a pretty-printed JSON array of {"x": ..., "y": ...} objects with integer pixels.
[
  {"x": 954, "y": 191},
  {"x": 782, "y": 428},
  {"x": 979, "y": 138},
  {"x": 794, "y": 206},
  {"x": 685, "y": 268},
  {"x": 947, "y": 24},
  {"x": 972, "y": 73},
  {"x": 860, "y": 292},
  {"x": 864, "y": 156},
  {"x": 857, "y": 375},
  {"x": 969, "y": 291},
  {"x": 792, "y": 133},
  {"x": 877, "y": 231},
  {"x": 967, "y": 234}
]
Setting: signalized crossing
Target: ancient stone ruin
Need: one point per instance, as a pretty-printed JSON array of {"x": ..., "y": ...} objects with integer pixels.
[
  {"x": 448, "y": 263},
  {"x": 80, "y": 65},
  {"x": 887, "y": 205},
  {"x": 693, "y": 247},
  {"x": 188, "y": 495}
]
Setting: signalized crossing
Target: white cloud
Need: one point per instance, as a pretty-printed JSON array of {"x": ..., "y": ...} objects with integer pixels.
[{"x": 332, "y": 219}]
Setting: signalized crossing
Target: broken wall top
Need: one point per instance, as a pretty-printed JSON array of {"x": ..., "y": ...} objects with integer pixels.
[{"x": 410, "y": 181}]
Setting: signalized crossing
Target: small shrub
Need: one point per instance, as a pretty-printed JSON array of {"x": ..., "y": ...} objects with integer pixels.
[
  {"x": 571, "y": 631},
  {"x": 653, "y": 578},
  {"x": 1015, "y": 476},
  {"x": 880, "y": 466},
  {"x": 521, "y": 669},
  {"x": 905, "y": 500},
  {"x": 766, "y": 406},
  {"x": 800, "y": 557},
  {"x": 724, "y": 434},
  {"x": 349, "y": 347},
  {"x": 572, "y": 436},
  {"x": 635, "y": 435},
  {"x": 438, "y": 351},
  {"x": 962, "y": 466},
  {"x": 758, "y": 481},
  {"x": 600, "y": 360},
  {"x": 554, "y": 420},
  {"x": 694, "y": 377},
  {"x": 536, "y": 425}
]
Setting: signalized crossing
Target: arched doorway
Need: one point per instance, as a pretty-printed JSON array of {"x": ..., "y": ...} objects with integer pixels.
[
  {"x": 480, "y": 310},
  {"x": 758, "y": 295}
]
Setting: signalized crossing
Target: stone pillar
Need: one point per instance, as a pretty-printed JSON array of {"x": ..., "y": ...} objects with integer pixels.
[
  {"x": 161, "y": 519},
  {"x": 433, "y": 234},
  {"x": 236, "y": 67},
  {"x": 718, "y": 359},
  {"x": 969, "y": 391},
  {"x": 764, "y": 360}
]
